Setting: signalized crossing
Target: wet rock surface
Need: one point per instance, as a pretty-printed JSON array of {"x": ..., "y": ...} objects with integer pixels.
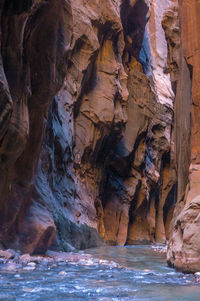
[
  {"x": 112, "y": 273},
  {"x": 97, "y": 144},
  {"x": 51, "y": 259}
]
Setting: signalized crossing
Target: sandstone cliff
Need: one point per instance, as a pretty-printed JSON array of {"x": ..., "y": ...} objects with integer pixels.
[
  {"x": 184, "y": 244},
  {"x": 96, "y": 141}
]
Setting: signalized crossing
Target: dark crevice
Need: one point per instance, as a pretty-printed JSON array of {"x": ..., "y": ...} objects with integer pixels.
[
  {"x": 104, "y": 188},
  {"x": 154, "y": 194},
  {"x": 190, "y": 68},
  {"x": 116, "y": 46},
  {"x": 134, "y": 203},
  {"x": 132, "y": 155},
  {"x": 174, "y": 87},
  {"x": 134, "y": 19},
  {"x": 105, "y": 32},
  {"x": 170, "y": 201},
  {"x": 110, "y": 136},
  {"x": 158, "y": 128},
  {"x": 16, "y": 7},
  {"x": 166, "y": 159}
]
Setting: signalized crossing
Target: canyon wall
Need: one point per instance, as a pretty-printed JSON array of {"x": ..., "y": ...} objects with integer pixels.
[
  {"x": 96, "y": 143},
  {"x": 184, "y": 243}
]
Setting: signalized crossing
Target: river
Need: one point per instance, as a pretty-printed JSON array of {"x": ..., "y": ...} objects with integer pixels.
[{"x": 109, "y": 273}]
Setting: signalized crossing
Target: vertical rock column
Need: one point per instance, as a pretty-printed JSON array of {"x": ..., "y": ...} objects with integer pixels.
[
  {"x": 141, "y": 174},
  {"x": 149, "y": 216},
  {"x": 184, "y": 244}
]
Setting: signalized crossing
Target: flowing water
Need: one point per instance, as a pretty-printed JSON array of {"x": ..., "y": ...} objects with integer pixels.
[{"x": 108, "y": 273}]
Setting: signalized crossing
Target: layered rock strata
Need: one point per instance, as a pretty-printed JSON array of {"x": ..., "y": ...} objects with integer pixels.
[
  {"x": 184, "y": 247},
  {"x": 86, "y": 135},
  {"x": 95, "y": 125}
]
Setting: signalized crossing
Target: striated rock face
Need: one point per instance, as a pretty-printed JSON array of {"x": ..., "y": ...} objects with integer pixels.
[
  {"x": 95, "y": 124},
  {"x": 184, "y": 244},
  {"x": 35, "y": 41},
  {"x": 87, "y": 113}
]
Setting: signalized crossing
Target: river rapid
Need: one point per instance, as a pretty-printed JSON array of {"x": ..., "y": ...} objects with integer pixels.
[{"x": 104, "y": 274}]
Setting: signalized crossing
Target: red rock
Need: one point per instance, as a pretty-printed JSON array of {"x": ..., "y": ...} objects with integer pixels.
[
  {"x": 184, "y": 247},
  {"x": 95, "y": 125}
]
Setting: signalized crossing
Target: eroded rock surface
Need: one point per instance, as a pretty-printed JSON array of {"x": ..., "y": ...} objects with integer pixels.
[
  {"x": 184, "y": 248},
  {"x": 86, "y": 124},
  {"x": 95, "y": 125}
]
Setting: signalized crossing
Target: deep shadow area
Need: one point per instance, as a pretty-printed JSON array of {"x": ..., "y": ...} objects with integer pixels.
[
  {"x": 15, "y": 7},
  {"x": 134, "y": 20}
]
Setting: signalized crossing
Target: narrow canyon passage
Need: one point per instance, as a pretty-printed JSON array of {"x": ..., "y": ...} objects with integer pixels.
[
  {"x": 88, "y": 133},
  {"x": 100, "y": 136}
]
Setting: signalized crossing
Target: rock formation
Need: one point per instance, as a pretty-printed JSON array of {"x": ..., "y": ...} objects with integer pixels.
[
  {"x": 184, "y": 244},
  {"x": 96, "y": 142}
]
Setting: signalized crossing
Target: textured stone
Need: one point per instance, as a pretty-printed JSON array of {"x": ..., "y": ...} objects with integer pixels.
[
  {"x": 95, "y": 125},
  {"x": 183, "y": 248},
  {"x": 8, "y": 254},
  {"x": 85, "y": 106},
  {"x": 33, "y": 66}
]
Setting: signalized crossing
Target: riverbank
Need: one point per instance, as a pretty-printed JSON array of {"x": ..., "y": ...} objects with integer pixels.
[
  {"x": 13, "y": 261},
  {"x": 106, "y": 273}
]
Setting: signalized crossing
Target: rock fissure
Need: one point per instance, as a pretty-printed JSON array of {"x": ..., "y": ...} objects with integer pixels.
[{"x": 99, "y": 125}]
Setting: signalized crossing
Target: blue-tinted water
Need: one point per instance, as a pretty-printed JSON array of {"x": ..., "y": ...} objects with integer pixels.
[{"x": 108, "y": 273}]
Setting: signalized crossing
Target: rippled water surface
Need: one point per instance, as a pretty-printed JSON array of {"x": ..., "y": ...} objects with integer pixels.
[{"x": 109, "y": 273}]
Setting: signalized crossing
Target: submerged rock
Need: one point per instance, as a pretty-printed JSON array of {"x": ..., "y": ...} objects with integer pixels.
[
  {"x": 8, "y": 254},
  {"x": 62, "y": 273}
]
